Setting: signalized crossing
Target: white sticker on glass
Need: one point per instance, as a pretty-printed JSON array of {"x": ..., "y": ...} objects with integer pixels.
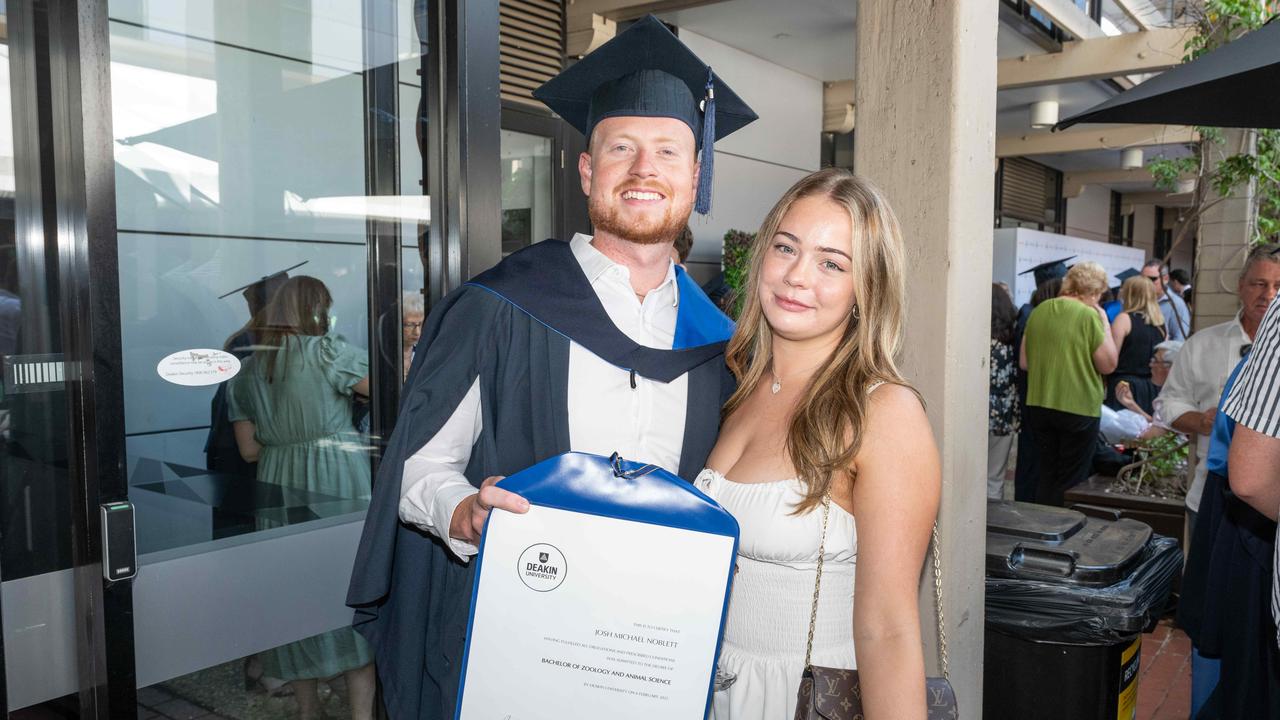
[{"x": 194, "y": 368}]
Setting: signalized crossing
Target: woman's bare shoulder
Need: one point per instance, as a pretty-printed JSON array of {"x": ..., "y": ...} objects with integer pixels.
[{"x": 895, "y": 418}]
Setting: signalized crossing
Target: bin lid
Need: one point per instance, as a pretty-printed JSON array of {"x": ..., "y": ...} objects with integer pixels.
[{"x": 1049, "y": 544}]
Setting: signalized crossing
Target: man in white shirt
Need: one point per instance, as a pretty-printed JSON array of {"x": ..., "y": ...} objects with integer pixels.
[
  {"x": 1254, "y": 403},
  {"x": 598, "y": 345},
  {"x": 1189, "y": 399}
]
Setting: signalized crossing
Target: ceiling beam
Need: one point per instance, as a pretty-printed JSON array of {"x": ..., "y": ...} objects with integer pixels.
[
  {"x": 1141, "y": 11},
  {"x": 1095, "y": 59},
  {"x": 586, "y": 33},
  {"x": 1074, "y": 182},
  {"x": 837, "y": 106},
  {"x": 592, "y": 23},
  {"x": 1114, "y": 138},
  {"x": 617, "y": 10},
  {"x": 1066, "y": 15},
  {"x": 1163, "y": 199}
]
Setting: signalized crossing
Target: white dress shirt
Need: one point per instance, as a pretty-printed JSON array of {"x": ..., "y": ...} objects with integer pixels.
[
  {"x": 1195, "y": 384},
  {"x": 606, "y": 414}
]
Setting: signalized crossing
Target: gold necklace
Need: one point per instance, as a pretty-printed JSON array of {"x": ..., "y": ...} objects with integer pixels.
[{"x": 777, "y": 382}]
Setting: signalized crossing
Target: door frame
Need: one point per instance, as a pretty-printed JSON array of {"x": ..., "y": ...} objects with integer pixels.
[
  {"x": 569, "y": 214},
  {"x": 464, "y": 237}
]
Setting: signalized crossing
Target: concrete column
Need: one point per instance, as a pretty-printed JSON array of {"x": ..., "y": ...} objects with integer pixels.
[
  {"x": 1226, "y": 230},
  {"x": 926, "y": 93}
]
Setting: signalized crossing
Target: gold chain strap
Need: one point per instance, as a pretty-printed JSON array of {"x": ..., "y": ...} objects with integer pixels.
[
  {"x": 817, "y": 582},
  {"x": 937, "y": 589}
]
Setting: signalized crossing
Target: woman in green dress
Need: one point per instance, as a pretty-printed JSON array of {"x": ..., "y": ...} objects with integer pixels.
[{"x": 291, "y": 411}]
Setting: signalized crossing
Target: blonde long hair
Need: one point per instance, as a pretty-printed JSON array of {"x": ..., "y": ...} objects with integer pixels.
[
  {"x": 1138, "y": 294},
  {"x": 827, "y": 426}
]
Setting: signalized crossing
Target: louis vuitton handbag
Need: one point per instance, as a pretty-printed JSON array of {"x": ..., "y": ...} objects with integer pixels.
[{"x": 835, "y": 693}]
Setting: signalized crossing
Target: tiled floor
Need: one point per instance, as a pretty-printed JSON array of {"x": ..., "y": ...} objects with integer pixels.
[{"x": 1164, "y": 680}]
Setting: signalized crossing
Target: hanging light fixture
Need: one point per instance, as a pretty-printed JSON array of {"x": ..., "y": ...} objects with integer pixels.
[
  {"x": 1131, "y": 158},
  {"x": 1044, "y": 114}
]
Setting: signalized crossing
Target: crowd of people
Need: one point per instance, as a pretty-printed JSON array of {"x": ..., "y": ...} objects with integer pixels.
[{"x": 1085, "y": 362}]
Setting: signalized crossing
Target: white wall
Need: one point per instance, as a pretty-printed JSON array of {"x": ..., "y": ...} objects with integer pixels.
[
  {"x": 1019, "y": 249},
  {"x": 1089, "y": 216},
  {"x": 755, "y": 165}
]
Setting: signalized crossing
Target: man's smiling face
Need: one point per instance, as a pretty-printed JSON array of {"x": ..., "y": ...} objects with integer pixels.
[{"x": 640, "y": 177}]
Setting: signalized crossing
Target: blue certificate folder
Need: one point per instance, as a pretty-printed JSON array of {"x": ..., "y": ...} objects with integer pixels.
[{"x": 613, "y": 489}]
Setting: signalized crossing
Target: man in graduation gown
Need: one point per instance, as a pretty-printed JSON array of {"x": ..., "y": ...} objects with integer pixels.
[{"x": 597, "y": 345}]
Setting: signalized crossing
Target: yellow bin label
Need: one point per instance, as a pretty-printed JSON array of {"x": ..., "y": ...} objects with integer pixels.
[{"x": 1127, "y": 708}]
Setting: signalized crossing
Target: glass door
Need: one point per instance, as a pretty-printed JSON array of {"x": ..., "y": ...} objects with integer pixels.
[
  {"x": 221, "y": 225},
  {"x": 265, "y": 157},
  {"x": 541, "y": 194},
  {"x": 37, "y": 488}
]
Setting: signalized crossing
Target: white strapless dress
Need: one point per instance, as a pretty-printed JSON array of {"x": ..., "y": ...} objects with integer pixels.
[{"x": 768, "y": 621}]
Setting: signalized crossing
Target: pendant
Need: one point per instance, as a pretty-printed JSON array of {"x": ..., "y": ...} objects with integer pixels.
[{"x": 777, "y": 385}]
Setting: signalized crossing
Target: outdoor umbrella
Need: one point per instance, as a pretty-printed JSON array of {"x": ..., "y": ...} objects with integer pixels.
[{"x": 1233, "y": 86}]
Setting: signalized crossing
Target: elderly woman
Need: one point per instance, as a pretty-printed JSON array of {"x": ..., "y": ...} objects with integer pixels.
[
  {"x": 1161, "y": 362},
  {"x": 1066, "y": 349},
  {"x": 413, "y": 314}
]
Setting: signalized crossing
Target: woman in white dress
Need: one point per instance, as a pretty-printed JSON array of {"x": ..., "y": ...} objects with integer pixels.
[{"x": 821, "y": 416}]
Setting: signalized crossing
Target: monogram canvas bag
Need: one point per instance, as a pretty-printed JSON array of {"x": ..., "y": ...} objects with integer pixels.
[{"x": 835, "y": 693}]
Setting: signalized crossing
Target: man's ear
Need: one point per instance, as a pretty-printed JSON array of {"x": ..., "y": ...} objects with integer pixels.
[
  {"x": 697, "y": 173},
  {"x": 584, "y": 172}
]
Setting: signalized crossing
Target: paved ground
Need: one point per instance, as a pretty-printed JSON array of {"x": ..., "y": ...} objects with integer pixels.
[
  {"x": 1164, "y": 678},
  {"x": 1164, "y": 690}
]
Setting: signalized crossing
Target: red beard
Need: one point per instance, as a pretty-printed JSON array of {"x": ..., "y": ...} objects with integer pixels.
[{"x": 607, "y": 217}]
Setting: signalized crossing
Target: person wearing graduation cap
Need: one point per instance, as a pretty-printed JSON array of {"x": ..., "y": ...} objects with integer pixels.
[
  {"x": 222, "y": 455},
  {"x": 599, "y": 344},
  {"x": 1114, "y": 306},
  {"x": 1027, "y": 468}
]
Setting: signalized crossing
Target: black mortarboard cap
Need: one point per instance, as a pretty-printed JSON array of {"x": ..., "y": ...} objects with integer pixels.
[
  {"x": 259, "y": 292},
  {"x": 1126, "y": 274},
  {"x": 647, "y": 72},
  {"x": 1051, "y": 270}
]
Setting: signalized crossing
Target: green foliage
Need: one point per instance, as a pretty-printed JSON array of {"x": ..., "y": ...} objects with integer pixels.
[
  {"x": 1165, "y": 455},
  {"x": 1219, "y": 22},
  {"x": 736, "y": 260},
  {"x": 1226, "y": 20},
  {"x": 1159, "y": 468},
  {"x": 1167, "y": 171}
]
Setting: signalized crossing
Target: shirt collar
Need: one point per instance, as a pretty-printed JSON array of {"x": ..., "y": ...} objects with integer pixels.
[
  {"x": 1239, "y": 328},
  {"x": 595, "y": 264}
]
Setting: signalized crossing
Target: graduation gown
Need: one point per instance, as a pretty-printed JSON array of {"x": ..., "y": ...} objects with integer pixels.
[{"x": 510, "y": 329}]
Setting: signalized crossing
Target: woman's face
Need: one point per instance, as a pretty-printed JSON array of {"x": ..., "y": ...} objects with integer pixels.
[
  {"x": 806, "y": 277},
  {"x": 412, "y": 328},
  {"x": 1159, "y": 368}
]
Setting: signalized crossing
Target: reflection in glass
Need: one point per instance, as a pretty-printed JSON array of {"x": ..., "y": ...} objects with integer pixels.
[
  {"x": 243, "y": 204},
  {"x": 291, "y": 412},
  {"x": 526, "y": 190},
  {"x": 35, "y": 484},
  {"x": 413, "y": 315}
]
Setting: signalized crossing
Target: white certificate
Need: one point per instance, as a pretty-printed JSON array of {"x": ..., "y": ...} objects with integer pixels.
[{"x": 579, "y": 615}]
